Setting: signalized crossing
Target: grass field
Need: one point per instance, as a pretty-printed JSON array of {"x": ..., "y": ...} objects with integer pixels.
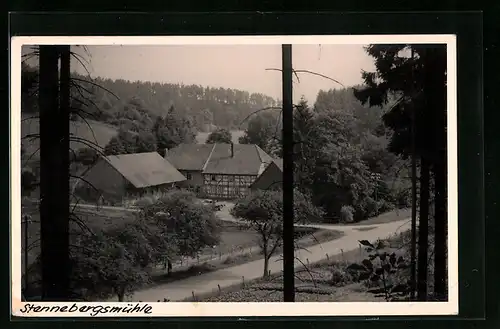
[
  {"x": 96, "y": 133},
  {"x": 202, "y": 136}
]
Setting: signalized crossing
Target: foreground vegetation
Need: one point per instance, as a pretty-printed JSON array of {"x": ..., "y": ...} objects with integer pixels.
[{"x": 337, "y": 279}]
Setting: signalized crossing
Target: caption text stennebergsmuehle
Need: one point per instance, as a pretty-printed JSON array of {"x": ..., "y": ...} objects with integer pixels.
[{"x": 129, "y": 309}]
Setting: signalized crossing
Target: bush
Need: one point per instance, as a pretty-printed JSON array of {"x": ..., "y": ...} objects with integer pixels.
[
  {"x": 340, "y": 276},
  {"x": 384, "y": 206},
  {"x": 368, "y": 207},
  {"x": 144, "y": 201},
  {"x": 347, "y": 214}
]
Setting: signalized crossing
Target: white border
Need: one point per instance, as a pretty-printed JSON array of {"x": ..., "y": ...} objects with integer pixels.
[{"x": 188, "y": 309}]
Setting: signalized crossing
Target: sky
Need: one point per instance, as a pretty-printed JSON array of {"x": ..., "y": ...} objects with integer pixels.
[{"x": 242, "y": 67}]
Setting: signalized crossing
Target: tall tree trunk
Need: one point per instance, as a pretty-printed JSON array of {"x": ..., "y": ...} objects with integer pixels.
[
  {"x": 288, "y": 171},
  {"x": 54, "y": 172},
  {"x": 423, "y": 230},
  {"x": 440, "y": 231},
  {"x": 438, "y": 100}
]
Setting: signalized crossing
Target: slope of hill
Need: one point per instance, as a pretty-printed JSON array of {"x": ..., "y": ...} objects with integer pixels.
[
  {"x": 95, "y": 132},
  {"x": 204, "y": 106}
]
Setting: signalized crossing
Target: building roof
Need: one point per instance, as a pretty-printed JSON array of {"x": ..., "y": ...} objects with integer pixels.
[
  {"x": 247, "y": 159},
  {"x": 189, "y": 156},
  {"x": 265, "y": 181},
  {"x": 145, "y": 169}
]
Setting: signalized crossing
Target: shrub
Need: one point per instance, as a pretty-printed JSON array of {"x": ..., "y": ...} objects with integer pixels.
[
  {"x": 368, "y": 207},
  {"x": 347, "y": 214},
  {"x": 384, "y": 269},
  {"x": 384, "y": 206},
  {"x": 144, "y": 201},
  {"x": 340, "y": 275}
]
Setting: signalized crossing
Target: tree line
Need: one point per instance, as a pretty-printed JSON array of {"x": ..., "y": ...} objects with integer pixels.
[{"x": 205, "y": 107}]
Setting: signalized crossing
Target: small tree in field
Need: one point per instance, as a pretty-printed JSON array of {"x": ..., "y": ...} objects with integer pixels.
[
  {"x": 183, "y": 218},
  {"x": 220, "y": 135},
  {"x": 263, "y": 212}
]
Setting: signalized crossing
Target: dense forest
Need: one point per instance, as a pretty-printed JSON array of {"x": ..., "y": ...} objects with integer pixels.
[{"x": 119, "y": 101}]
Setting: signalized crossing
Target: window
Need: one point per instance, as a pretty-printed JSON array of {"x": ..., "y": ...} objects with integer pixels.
[
  {"x": 213, "y": 177},
  {"x": 188, "y": 176}
]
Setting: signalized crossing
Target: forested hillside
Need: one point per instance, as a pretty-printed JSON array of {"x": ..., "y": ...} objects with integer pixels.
[
  {"x": 204, "y": 107},
  {"x": 172, "y": 113}
]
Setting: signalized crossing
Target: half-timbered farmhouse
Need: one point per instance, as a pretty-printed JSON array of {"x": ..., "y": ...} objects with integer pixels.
[{"x": 219, "y": 171}]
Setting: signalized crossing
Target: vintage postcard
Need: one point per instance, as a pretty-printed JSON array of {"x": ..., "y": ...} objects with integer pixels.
[{"x": 147, "y": 176}]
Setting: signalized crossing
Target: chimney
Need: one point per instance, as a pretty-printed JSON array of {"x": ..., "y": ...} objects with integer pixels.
[{"x": 232, "y": 150}]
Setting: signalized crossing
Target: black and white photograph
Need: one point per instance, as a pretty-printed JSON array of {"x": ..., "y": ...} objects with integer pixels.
[{"x": 180, "y": 174}]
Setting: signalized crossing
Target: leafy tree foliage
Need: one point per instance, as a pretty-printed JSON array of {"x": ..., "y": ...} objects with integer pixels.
[
  {"x": 171, "y": 130},
  {"x": 262, "y": 130},
  {"x": 117, "y": 258},
  {"x": 341, "y": 159},
  {"x": 129, "y": 142},
  {"x": 184, "y": 219},
  {"x": 263, "y": 212},
  {"x": 220, "y": 135}
]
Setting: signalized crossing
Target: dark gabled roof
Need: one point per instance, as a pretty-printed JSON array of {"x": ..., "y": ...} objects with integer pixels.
[
  {"x": 189, "y": 156},
  {"x": 247, "y": 160},
  {"x": 145, "y": 169},
  {"x": 216, "y": 158}
]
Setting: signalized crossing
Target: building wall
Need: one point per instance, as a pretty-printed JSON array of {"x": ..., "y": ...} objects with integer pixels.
[
  {"x": 271, "y": 178},
  {"x": 227, "y": 186},
  {"x": 152, "y": 189},
  {"x": 106, "y": 179},
  {"x": 194, "y": 180}
]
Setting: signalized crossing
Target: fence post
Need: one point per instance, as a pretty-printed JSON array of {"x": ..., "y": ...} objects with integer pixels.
[
  {"x": 327, "y": 257},
  {"x": 194, "y": 297},
  {"x": 307, "y": 260},
  {"x": 218, "y": 285},
  {"x": 243, "y": 281}
]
